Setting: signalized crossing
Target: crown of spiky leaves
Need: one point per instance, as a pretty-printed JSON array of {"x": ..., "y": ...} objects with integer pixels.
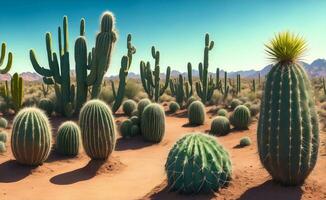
[{"x": 286, "y": 47}]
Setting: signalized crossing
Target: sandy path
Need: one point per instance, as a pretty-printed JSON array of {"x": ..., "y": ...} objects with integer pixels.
[{"x": 136, "y": 171}]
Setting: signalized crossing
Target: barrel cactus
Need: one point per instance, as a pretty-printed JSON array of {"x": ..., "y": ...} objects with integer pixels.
[
  {"x": 3, "y": 123},
  {"x": 190, "y": 100},
  {"x": 198, "y": 163},
  {"x": 220, "y": 126},
  {"x": 240, "y": 117},
  {"x": 3, "y": 148},
  {"x": 3, "y": 136},
  {"x": 135, "y": 130},
  {"x": 68, "y": 139},
  {"x": 97, "y": 129},
  {"x": 31, "y": 136},
  {"x": 135, "y": 120},
  {"x": 245, "y": 141},
  {"x": 174, "y": 107},
  {"x": 234, "y": 103},
  {"x": 196, "y": 113},
  {"x": 129, "y": 106},
  {"x": 142, "y": 104},
  {"x": 222, "y": 112},
  {"x": 46, "y": 105},
  {"x": 153, "y": 123},
  {"x": 288, "y": 132},
  {"x": 125, "y": 128}
]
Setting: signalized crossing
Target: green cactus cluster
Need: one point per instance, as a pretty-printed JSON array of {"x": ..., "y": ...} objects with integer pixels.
[
  {"x": 153, "y": 123},
  {"x": 97, "y": 129},
  {"x": 174, "y": 107},
  {"x": 47, "y": 106},
  {"x": 197, "y": 163},
  {"x": 13, "y": 96},
  {"x": 68, "y": 139},
  {"x": 129, "y": 106},
  {"x": 240, "y": 117},
  {"x": 220, "y": 126},
  {"x": 3, "y": 122},
  {"x": 196, "y": 113},
  {"x": 31, "y": 136},
  {"x": 130, "y": 127},
  {"x": 2, "y": 59},
  {"x": 151, "y": 79}
]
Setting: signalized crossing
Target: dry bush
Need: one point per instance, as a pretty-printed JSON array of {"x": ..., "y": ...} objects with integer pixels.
[{"x": 132, "y": 89}]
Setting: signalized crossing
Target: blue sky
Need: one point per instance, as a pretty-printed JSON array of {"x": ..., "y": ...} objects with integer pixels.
[{"x": 176, "y": 27}]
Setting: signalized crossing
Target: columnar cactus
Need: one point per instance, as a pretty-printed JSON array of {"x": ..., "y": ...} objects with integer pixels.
[
  {"x": 224, "y": 89},
  {"x": 240, "y": 117},
  {"x": 16, "y": 86},
  {"x": 153, "y": 123},
  {"x": 151, "y": 79},
  {"x": 253, "y": 86},
  {"x": 220, "y": 126},
  {"x": 97, "y": 129},
  {"x": 31, "y": 136},
  {"x": 196, "y": 113},
  {"x": 46, "y": 105},
  {"x": 288, "y": 133},
  {"x": 197, "y": 163},
  {"x": 68, "y": 139},
  {"x": 2, "y": 58}
]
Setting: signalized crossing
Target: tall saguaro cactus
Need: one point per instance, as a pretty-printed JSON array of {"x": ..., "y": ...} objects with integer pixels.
[
  {"x": 16, "y": 84},
  {"x": 288, "y": 135},
  {"x": 2, "y": 59},
  {"x": 203, "y": 88},
  {"x": 151, "y": 79}
]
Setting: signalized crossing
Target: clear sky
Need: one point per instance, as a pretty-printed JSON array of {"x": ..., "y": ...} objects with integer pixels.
[{"x": 176, "y": 27}]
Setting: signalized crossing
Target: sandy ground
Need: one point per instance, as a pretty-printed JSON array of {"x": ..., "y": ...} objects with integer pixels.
[{"x": 136, "y": 171}]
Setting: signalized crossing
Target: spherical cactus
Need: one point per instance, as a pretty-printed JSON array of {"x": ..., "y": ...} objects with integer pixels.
[
  {"x": 46, "y": 105},
  {"x": 31, "y": 136},
  {"x": 153, "y": 123},
  {"x": 125, "y": 128},
  {"x": 197, "y": 163},
  {"x": 135, "y": 120},
  {"x": 135, "y": 113},
  {"x": 97, "y": 129},
  {"x": 254, "y": 110},
  {"x": 245, "y": 141},
  {"x": 68, "y": 139},
  {"x": 174, "y": 107},
  {"x": 3, "y": 137},
  {"x": 222, "y": 112},
  {"x": 142, "y": 104},
  {"x": 240, "y": 117},
  {"x": 135, "y": 130},
  {"x": 190, "y": 100},
  {"x": 3, "y": 148},
  {"x": 288, "y": 132},
  {"x": 220, "y": 126},
  {"x": 234, "y": 103},
  {"x": 129, "y": 106},
  {"x": 196, "y": 113},
  {"x": 3, "y": 123}
]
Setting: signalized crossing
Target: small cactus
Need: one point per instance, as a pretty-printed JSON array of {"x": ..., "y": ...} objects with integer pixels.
[
  {"x": 3, "y": 137},
  {"x": 97, "y": 129},
  {"x": 135, "y": 120},
  {"x": 234, "y": 103},
  {"x": 153, "y": 123},
  {"x": 46, "y": 105},
  {"x": 3, "y": 148},
  {"x": 245, "y": 141},
  {"x": 68, "y": 139},
  {"x": 31, "y": 136},
  {"x": 220, "y": 126},
  {"x": 197, "y": 163},
  {"x": 222, "y": 112},
  {"x": 142, "y": 104},
  {"x": 196, "y": 113},
  {"x": 125, "y": 128},
  {"x": 190, "y": 100},
  {"x": 174, "y": 107},
  {"x": 135, "y": 130},
  {"x": 129, "y": 106},
  {"x": 240, "y": 117},
  {"x": 3, "y": 122}
]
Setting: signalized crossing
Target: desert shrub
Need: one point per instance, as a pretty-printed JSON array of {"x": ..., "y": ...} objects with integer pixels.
[
  {"x": 248, "y": 104},
  {"x": 166, "y": 98},
  {"x": 46, "y": 105},
  {"x": 216, "y": 98},
  {"x": 106, "y": 95},
  {"x": 132, "y": 89},
  {"x": 254, "y": 110}
]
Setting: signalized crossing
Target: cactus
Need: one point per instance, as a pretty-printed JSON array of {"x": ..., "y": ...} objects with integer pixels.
[
  {"x": 288, "y": 133},
  {"x": 97, "y": 129},
  {"x": 46, "y": 105},
  {"x": 31, "y": 136},
  {"x": 129, "y": 106},
  {"x": 245, "y": 141},
  {"x": 240, "y": 117},
  {"x": 190, "y": 100},
  {"x": 125, "y": 128},
  {"x": 45, "y": 90},
  {"x": 238, "y": 90},
  {"x": 224, "y": 89},
  {"x": 220, "y": 126},
  {"x": 68, "y": 139},
  {"x": 174, "y": 107},
  {"x": 125, "y": 66},
  {"x": 253, "y": 86},
  {"x": 135, "y": 130},
  {"x": 3, "y": 148},
  {"x": 205, "y": 88},
  {"x": 151, "y": 79},
  {"x": 153, "y": 123},
  {"x": 324, "y": 86},
  {"x": 16, "y": 86},
  {"x": 196, "y": 113},
  {"x": 222, "y": 112},
  {"x": 197, "y": 163},
  {"x": 234, "y": 103},
  {"x": 141, "y": 105},
  {"x": 3, "y": 137},
  {"x": 135, "y": 120},
  {"x": 2, "y": 58},
  {"x": 3, "y": 122}
]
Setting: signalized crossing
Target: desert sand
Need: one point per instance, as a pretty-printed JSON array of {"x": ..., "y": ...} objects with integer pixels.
[{"x": 136, "y": 171}]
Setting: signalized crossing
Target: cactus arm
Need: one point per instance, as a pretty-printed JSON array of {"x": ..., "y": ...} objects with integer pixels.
[
  {"x": 122, "y": 83},
  {"x": 40, "y": 70},
  {"x": 2, "y": 57},
  {"x": 113, "y": 89},
  {"x": 167, "y": 80}
]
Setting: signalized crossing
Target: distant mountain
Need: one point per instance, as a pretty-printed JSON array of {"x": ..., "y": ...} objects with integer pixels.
[{"x": 31, "y": 76}]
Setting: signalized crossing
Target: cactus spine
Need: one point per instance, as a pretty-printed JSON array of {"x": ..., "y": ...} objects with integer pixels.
[
  {"x": 151, "y": 79},
  {"x": 288, "y": 133},
  {"x": 2, "y": 59},
  {"x": 31, "y": 137}
]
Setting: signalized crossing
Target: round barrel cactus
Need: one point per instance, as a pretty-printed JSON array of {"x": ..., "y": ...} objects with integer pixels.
[
  {"x": 190, "y": 100},
  {"x": 220, "y": 126},
  {"x": 241, "y": 117},
  {"x": 245, "y": 141},
  {"x": 3, "y": 122},
  {"x": 3, "y": 148},
  {"x": 142, "y": 104},
  {"x": 288, "y": 133},
  {"x": 31, "y": 136},
  {"x": 153, "y": 123},
  {"x": 174, "y": 107},
  {"x": 198, "y": 163},
  {"x": 97, "y": 129},
  {"x": 46, "y": 105},
  {"x": 222, "y": 112},
  {"x": 135, "y": 120},
  {"x": 129, "y": 106},
  {"x": 125, "y": 128},
  {"x": 68, "y": 139},
  {"x": 3, "y": 137},
  {"x": 135, "y": 130},
  {"x": 196, "y": 113},
  {"x": 234, "y": 103}
]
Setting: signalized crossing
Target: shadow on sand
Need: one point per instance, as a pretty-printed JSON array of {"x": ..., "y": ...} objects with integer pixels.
[
  {"x": 82, "y": 174},
  {"x": 11, "y": 171},
  {"x": 271, "y": 191},
  {"x": 132, "y": 143}
]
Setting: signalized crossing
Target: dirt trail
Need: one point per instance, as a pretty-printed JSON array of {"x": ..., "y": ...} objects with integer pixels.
[{"x": 136, "y": 171}]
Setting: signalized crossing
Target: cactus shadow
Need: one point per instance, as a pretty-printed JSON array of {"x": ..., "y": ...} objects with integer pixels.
[
  {"x": 132, "y": 143},
  {"x": 54, "y": 156},
  {"x": 12, "y": 171},
  {"x": 180, "y": 114},
  {"x": 270, "y": 190},
  {"x": 82, "y": 174},
  {"x": 187, "y": 125}
]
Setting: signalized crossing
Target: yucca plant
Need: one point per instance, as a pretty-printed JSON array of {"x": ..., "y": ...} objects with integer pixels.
[{"x": 288, "y": 133}]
